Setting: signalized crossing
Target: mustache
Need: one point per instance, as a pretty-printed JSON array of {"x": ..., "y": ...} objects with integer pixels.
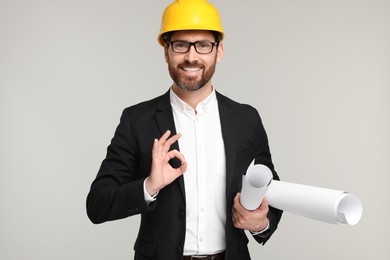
[{"x": 190, "y": 64}]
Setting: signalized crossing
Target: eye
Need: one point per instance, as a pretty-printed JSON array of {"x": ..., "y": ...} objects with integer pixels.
[
  {"x": 180, "y": 45},
  {"x": 203, "y": 45}
]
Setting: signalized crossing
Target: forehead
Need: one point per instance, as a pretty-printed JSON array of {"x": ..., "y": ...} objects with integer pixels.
[{"x": 193, "y": 35}]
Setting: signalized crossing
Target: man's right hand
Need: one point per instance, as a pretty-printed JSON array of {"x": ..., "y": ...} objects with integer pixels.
[{"x": 162, "y": 173}]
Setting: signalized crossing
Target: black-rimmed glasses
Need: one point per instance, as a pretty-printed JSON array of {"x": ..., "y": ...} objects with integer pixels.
[{"x": 201, "y": 47}]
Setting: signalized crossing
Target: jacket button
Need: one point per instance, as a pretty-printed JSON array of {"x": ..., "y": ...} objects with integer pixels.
[
  {"x": 179, "y": 249},
  {"x": 181, "y": 213}
]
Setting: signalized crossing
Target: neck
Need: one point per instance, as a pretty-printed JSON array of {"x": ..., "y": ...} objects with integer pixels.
[{"x": 193, "y": 98}]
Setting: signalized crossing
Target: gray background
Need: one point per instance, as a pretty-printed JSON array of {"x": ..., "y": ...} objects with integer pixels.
[{"x": 318, "y": 72}]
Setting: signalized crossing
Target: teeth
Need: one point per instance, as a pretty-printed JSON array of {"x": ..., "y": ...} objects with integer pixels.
[{"x": 191, "y": 69}]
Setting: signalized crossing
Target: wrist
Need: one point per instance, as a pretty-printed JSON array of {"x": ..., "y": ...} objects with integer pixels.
[
  {"x": 261, "y": 230},
  {"x": 149, "y": 187}
]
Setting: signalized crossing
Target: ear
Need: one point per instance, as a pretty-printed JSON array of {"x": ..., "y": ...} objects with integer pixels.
[{"x": 219, "y": 52}]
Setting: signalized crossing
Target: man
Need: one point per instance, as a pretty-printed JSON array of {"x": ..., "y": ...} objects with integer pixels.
[{"x": 178, "y": 159}]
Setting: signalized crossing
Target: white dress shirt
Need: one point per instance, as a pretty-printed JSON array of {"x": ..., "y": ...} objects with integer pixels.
[{"x": 202, "y": 145}]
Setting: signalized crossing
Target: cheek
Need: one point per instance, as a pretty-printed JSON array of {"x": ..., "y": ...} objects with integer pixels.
[
  {"x": 166, "y": 55},
  {"x": 166, "y": 58},
  {"x": 170, "y": 60}
]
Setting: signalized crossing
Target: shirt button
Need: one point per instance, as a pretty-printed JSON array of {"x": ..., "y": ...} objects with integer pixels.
[
  {"x": 201, "y": 210},
  {"x": 200, "y": 239}
]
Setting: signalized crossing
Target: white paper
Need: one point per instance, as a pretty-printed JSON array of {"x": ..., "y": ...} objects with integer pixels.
[
  {"x": 327, "y": 205},
  {"x": 255, "y": 185}
]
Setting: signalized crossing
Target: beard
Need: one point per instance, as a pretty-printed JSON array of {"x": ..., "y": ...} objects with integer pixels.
[{"x": 190, "y": 83}]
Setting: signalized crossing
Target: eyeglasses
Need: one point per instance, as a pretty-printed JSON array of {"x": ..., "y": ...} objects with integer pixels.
[{"x": 201, "y": 47}]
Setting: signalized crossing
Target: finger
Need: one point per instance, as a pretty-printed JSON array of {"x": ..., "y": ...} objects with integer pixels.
[
  {"x": 234, "y": 211},
  {"x": 264, "y": 203},
  {"x": 237, "y": 203},
  {"x": 179, "y": 171},
  {"x": 158, "y": 147},
  {"x": 155, "y": 146},
  {"x": 183, "y": 167},
  {"x": 167, "y": 144},
  {"x": 234, "y": 218},
  {"x": 176, "y": 154},
  {"x": 164, "y": 137}
]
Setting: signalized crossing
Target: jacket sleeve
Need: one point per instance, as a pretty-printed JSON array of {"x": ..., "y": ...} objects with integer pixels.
[
  {"x": 263, "y": 156},
  {"x": 117, "y": 192}
]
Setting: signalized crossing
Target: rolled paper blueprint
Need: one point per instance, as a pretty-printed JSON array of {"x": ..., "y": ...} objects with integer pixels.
[
  {"x": 327, "y": 205},
  {"x": 255, "y": 185}
]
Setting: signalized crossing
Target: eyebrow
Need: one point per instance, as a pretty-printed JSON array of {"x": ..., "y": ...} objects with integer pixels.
[{"x": 203, "y": 40}]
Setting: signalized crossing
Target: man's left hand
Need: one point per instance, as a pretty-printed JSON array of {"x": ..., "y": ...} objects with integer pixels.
[{"x": 253, "y": 220}]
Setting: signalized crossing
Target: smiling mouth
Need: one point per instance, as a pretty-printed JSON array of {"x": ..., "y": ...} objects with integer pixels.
[{"x": 191, "y": 69}]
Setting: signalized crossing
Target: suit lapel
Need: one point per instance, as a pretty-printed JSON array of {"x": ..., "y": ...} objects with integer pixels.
[
  {"x": 165, "y": 121},
  {"x": 164, "y": 116},
  {"x": 228, "y": 134}
]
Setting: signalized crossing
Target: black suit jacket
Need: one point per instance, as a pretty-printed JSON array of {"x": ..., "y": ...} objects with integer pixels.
[{"x": 117, "y": 191}]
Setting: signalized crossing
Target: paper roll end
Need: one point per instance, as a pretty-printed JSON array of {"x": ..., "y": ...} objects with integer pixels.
[{"x": 349, "y": 210}]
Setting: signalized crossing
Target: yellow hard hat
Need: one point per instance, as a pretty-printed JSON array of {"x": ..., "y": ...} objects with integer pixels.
[{"x": 190, "y": 15}]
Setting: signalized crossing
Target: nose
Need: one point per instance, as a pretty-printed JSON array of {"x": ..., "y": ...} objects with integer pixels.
[{"x": 191, "y": 55}]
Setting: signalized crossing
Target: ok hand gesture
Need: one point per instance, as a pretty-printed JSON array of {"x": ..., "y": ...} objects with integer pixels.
[{"x": 162, "y": 173}]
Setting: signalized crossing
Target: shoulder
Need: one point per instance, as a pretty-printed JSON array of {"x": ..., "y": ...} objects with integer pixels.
[
  {"x": 148, "y": 106},
  {"x": 233, "y": 106},
  {"x": 145, "y": 112}
]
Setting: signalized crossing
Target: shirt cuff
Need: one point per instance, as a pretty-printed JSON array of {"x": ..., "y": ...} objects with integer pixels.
[
  {"x": 262, "y": 231},
  {"x": 148, "y": 198}
]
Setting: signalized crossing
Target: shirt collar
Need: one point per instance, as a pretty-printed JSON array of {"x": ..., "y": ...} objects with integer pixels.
[{"x": 203, "y": 107}]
